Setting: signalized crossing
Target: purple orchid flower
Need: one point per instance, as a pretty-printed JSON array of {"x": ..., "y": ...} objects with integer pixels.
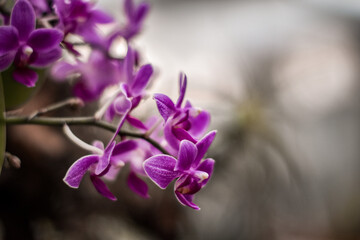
[
  {"x": 98, "y": 163},
  {"x": 26, "y": 47},
  {"x": 192, "y": 172},
  {"x": 80, "y": 17},
  {"x": 95, "y": 75},
  {"x": 133, "y": 89},
  {"x": 181, "y": 123}
]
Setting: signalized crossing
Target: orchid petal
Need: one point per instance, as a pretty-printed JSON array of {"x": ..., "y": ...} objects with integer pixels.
[
  {"x": 124, "y": 147},
  {"x": 182, "y": 90},
  {"x": 141, "y": 79},
  {"x": 142, "y": 11},
  {"x": 61, "y": 70},
  {"x": 129, "y": 62},
  {"x": 46, "y": 58},
  {"x": 199, "y": 123},
  {"x": 186, "y": 200},
  {"x": 182, "y": 134},
  {"x": 136, "y": 122},
  {"x": 160, "y": 169},
  {"x": 45, "y": 39},
  {"x": 203, "y": 145},
  {"x": 170, "y": 137},
  {"x": 78, "y": 169},
  {"x": 187, "y": 154},
  {"x": 99, "y": 16},
  {"x": 105, "y": 159},
  {"x": 137, "y": 185},
  {"x": 23, "y": 18},
  {"x": 165, "y": 105},
  {"x": 101, "y": 187},
  {"x": 206, "y": 166},
  {"x": 112, "y": 173},
  {"x": 9, "y": 39},
  {"x": 25, "y": 76},
  {"x": 122, "y": 104},
  {"x": 6, "y": 60},
  {"x": 129, "y": 8}
]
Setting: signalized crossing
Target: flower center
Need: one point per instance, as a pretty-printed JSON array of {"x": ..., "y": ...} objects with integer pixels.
[{"x": 201, "y": 175}]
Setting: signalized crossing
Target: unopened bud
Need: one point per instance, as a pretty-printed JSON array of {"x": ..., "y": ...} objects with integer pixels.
[{"x": 13, "y": 160}]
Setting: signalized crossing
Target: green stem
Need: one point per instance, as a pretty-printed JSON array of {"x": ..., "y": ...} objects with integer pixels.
[{"x": 85, "y": 121}]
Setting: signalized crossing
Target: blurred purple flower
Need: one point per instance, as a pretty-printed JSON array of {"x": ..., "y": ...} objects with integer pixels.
[
  {"x": 40, "y": 6},
  {"x": 94, "y": 75},
  {"x": 135, "y": 17},
  {"x": 181, "y": 123},
  {"x": 22, "y": 44},
  {"x": 80, "y": 17},
  {"x": 192, "y": 172}
]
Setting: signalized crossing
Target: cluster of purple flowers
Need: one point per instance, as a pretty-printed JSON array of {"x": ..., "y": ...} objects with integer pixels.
[{"x": 37, "y": 35}]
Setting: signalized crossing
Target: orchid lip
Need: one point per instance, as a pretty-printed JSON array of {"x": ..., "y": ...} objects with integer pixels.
[{"x": 183, "y": 190}]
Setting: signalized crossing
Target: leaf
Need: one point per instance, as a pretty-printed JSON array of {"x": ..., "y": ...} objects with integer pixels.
[
  {"x": 16, "y": 94},
  {"x": 2, "y": 125}
]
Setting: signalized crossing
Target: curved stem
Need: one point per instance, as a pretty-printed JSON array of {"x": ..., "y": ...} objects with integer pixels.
[{"x": 86, "y": 121}]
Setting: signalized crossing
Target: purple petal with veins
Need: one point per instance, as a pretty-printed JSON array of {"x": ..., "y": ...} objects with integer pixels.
[
  {"x": 76, "y": 172},
  {"x": 165, "y": 105},
  {"x": 187, "y": 154},
  {"x": 160, "y": 169},
  {"x": 23, "y": 18}
]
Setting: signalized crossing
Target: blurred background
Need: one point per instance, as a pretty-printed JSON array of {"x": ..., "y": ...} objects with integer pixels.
[{"x": 280, "y": 79}]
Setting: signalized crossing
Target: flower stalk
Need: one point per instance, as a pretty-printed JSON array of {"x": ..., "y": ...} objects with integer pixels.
[{"x": 84, "y": 121}]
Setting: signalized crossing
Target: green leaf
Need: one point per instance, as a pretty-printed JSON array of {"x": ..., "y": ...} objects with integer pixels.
[
  {"x": 2, "y": 125},
  {"x": 16, "y": 94}
]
